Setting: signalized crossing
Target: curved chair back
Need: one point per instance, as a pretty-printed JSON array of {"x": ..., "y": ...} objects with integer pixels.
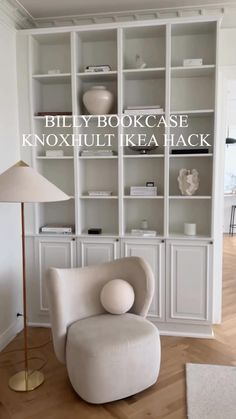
[{"x": 74, "y": 294}]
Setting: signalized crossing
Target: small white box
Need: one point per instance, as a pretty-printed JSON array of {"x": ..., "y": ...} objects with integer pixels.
[
  {"x": 143, "y": 190},
  {"x": 54, "y": 71},
  {"x": 54, "y": 153},
  {"x": 194, "y": 62}
]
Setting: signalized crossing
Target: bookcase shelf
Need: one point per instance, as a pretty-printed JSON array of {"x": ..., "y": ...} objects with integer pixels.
[
  {"x": 99, "y": 76},
  {"x": 196, "y": 71},
  {"x": 144, "y": 74},
  {"x": 52, "y": 78}
]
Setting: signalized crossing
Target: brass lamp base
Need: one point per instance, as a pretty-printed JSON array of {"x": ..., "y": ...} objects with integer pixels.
[{"x": 26, "y": 380}]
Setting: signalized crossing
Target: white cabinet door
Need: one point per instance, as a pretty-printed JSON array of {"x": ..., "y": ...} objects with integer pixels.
[
  {"x": 189, "y": 277},
  {"x": 96, "y": 251},
  {"x": 53, "y": 253},
  {"x": 154, "y": 253}
]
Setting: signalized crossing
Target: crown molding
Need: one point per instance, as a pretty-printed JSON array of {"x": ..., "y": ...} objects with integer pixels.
[
  {"x": 17, "y": 16},
  {"x": 14, "y": 16}
]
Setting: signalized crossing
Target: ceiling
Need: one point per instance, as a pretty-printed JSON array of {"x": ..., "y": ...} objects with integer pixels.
[{"x": 40, "y": 9}]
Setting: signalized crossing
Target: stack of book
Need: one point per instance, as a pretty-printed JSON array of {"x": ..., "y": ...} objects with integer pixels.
[
  {"x": 144, "y": 110},
  {"x": 57, "y": 229},
  {"x": 143, "y": 233},
  {"x": 99, "y": 193},
  {"x": 97, "y": 68},
  {"x": 98, "y": 153},
  {"x": 143, "y": 190}
]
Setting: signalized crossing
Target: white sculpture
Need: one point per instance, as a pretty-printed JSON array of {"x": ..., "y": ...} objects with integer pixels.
[{"x": 188, "y": 181}]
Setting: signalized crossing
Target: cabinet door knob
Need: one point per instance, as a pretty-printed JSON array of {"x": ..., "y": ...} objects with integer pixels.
[{"x": 117, "y": 240}]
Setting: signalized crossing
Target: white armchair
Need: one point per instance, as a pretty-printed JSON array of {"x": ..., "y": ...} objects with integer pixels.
[{"x": 108, "y": 357}]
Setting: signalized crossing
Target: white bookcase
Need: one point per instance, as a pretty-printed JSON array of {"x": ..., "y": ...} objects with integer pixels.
[{"x": 162, "y": 45}]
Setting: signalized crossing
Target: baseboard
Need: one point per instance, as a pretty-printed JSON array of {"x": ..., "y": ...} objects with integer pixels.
[
  {"x": 185, "y": 330},
  {"x": 10, "y": 333},
  {"x": 37, "y": 324}
]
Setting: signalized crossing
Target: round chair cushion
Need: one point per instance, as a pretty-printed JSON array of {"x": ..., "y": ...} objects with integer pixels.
[
  {"x": 117, "y": 296},
  {"x": 112, "y": 357}
]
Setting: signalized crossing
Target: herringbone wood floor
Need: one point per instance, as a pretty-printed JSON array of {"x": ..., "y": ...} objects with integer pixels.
[{"x": 56, "y": 399}]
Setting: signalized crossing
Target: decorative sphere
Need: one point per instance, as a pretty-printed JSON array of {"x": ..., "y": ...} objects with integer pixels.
[{"x": 117, "y": 296}]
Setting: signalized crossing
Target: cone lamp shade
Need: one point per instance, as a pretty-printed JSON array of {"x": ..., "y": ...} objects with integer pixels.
[{"x": 23, "y": 184}]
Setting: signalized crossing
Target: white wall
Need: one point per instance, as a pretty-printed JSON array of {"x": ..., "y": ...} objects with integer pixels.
[{"x": 10, "y": 247}]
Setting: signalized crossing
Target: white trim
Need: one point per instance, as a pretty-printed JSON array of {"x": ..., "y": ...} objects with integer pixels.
[
  {"x": 13, "y": 16},
  {"x": 225, "y": 73},
  {"x": 38, "y": 324},
  {"x": 10, "y": 333},
  {"x": 132, "y": 15},
  {"x": 116, "y": 25}
]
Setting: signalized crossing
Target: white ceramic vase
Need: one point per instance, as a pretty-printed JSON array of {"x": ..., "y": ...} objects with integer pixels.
[{"x": 98, "y": 100}]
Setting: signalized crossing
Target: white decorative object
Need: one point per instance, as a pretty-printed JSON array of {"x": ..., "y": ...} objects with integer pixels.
[
  {"x": 98, "y": 100},
  {"x": 54, "y": 153},
  {"x": 139, "y": 62},
  {"x": 117, "y": 296},
  {"x": 144, "y": 224},
  {"x": 195, "y": 62},
  {"x": 190, "y": 229},
  {"x": 188, "y": 181},
  {"x": 54, "y": 71}
]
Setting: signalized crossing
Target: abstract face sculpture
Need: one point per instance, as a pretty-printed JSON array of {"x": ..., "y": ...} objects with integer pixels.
[{"x": 188, "y": 181}]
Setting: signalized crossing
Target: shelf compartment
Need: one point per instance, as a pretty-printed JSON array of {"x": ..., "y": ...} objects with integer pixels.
[
  {"x": 144, "y": 74},
  {"x": 148, "y": 132},
  {"x": 98, "y": 175},
  {"x": 99, "y": 213},
  {"x": 59, "y": 172},
  {"x": 194, "y": 71},
  {"x": 137, "y": 210},
  {"x": 52, "y": 97},
  {"x": 186, "y": 211},
  {"x": 62, "y": 213},
  {"x": 193, "y": 93},
  {"x": 51, "y": 51},
  {"x": 148, "y": 92},
  {"x": 43, "y": 132},
  {"x": 96, "y": 47},
  {"x": 198, "y": 124},
  {"x": 193, "y": 40},
  {"x": 204, "y": 168},
  {"x": 148, "y": 43},
  {"x": 137, "y": 172},
  {"x": 98, "y": 76},
  {"x": 98, "y": 138}
]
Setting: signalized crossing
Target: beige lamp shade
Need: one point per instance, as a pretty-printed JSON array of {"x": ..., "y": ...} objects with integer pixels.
[{"x": 21, "y": 183}]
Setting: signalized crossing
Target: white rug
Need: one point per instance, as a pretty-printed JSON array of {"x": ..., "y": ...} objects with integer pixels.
[{"x": 211, "y": 391}]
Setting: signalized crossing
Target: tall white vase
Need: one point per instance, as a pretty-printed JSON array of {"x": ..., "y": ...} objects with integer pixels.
[{"x": 98, "y": 100}]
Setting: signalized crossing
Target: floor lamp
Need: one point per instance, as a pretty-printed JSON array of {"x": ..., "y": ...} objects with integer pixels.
[{"x": 23, "y": 184}]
